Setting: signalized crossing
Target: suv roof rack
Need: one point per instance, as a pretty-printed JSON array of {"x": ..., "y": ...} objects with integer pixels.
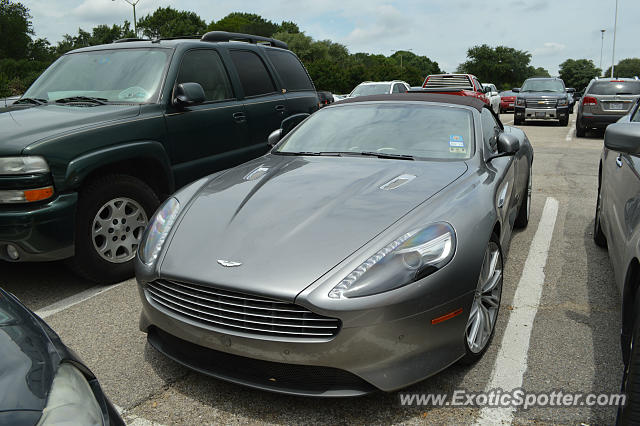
[
  {"x": 130, "y": 39},
  {"x": 159, "y": 39},
  {"x": 217, "y": 36}
]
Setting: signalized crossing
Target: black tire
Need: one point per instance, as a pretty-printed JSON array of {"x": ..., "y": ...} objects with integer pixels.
[
  {"x": 517, "y": 121},
  {"x": 522, "y": 220},
  {"x": 598, "y": 235},
  {"x": 93, "y": 199},
  {"x": 564, "y": 121},
  {"x": 470, "y": 356},
  {"x": 581, "y": 131},
  {"x": 629, "y": 414}
]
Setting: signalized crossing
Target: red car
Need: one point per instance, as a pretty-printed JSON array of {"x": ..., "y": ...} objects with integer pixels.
[
  {"x": 455, "y": 84},
  {"x": 507, "y": 100}
]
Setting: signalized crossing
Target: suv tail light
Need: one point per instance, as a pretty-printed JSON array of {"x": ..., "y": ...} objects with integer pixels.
[{"x": 589, "y": 100}]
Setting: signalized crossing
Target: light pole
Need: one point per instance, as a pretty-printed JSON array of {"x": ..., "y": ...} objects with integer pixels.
[
  {"x": 404, "y": 50},
  {"x": 135, "y": 24},
  {"x": 615, "y": 28},
  {"x": 601, "y": 47}
]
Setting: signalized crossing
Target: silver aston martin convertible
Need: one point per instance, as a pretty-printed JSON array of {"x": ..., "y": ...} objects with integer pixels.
[{"x": 364, "y": 252}]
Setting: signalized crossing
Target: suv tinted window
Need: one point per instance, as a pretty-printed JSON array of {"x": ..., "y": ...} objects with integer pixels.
[
  {"x": 253, "y": 73},
  {"x": 615, "y": 88},
  {"x": 294, "y": 76},
  {"x": 205, "y": 67},
  {"x": 489, "y": 132}
]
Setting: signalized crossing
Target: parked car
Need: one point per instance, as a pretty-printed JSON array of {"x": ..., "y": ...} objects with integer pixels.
[
  {"x": 324, "y": 98},
  {"x": 455, "y": 84},
  {"x": 617, "y": 227},
  {"x": 108, "y": 131},
  {"x": 366, "y": 205},
  {"x": 493, "y": 95},
  {"x": 368, "y": 88},
  {"x": 42, "y": 381},
  {"x": 604, "y": 102},
  {"x": 542, "y": 98},
  {"x": 507, "y": 100}
]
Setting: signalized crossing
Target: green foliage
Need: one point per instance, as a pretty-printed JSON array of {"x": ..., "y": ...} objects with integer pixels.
[
  {"x": 15, "y": 30},
  {"x": 629, "y": 67},
  {"x": 169, "y": 22},
  {"x": 577, "y": 73},
  {"x": 503, "y": 66},
  {"x": 248, "y": 23}
]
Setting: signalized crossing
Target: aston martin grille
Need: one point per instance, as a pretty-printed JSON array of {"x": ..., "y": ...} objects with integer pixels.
[{"x": 229, "y": 310}]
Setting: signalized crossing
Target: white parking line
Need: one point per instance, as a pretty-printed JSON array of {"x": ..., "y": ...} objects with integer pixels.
[
  {"x": 132, "y": 420},
  {"x": 511, "y": 363},
  {"x": 572, "y": 129},
  {"x": 70, "y": 301}
]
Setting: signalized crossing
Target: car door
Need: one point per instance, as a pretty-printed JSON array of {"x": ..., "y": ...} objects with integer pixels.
[
  {"x": 265, "y": 106},
  {"x": 298, "y": 89},
  {"x": 210, "y": 136}
]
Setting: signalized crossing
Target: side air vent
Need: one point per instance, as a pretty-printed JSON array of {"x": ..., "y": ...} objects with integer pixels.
[
  {"x": 397, "y": 182},
  {"x": 256, "y": 173}
]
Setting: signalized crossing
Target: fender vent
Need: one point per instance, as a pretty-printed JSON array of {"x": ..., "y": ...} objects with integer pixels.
[
  {"x": 397, "y": 182},
  {"x": 256, "y": 173}
]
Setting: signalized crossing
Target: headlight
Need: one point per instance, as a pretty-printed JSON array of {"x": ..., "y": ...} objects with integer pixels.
[
  {"x": 520, "y": 102},
  {"x": 563, "y": 102},
  {"x": 157, "y": 231},
  {"x": 409, "y": 258},
  {"x": 23, "y": 165},
  {"x": 71, "y": 399}
]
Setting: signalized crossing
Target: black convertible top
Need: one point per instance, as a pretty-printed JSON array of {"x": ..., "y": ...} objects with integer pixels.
[{"x": 418, "y": 96}]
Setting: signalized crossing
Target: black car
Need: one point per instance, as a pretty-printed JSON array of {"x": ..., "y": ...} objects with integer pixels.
[
  {"x": 542, "y": 99},
  {"x": 324, "y": 98},
  {"x": 41, "y": 380}
]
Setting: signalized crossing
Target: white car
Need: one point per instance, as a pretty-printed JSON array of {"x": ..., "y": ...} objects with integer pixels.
[
  {"x": 494, "y": 97},
  {"x": 379, "y": 88}
]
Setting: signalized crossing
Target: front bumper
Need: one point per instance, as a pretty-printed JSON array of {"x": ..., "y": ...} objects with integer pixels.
[
  {"x": 40, "y": 232},
  {"x": 528, "y": 113},
  {"x": 599, "y": 121},
  {"x": 387, "y": 353}
]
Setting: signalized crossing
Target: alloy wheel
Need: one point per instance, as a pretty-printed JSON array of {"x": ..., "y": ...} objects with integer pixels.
[
  {"x": 486, "y": 301},
  {"x": 117, "y": 229}
]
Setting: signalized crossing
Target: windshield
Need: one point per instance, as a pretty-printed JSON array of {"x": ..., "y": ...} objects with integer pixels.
[
  {"x": 543, "y": 86},
  {"x": 615, "y": 88},
  {"x": 421, "y": 131},
  {"x": 371, "y": 89},
  {"x": 119, "y": 75}
]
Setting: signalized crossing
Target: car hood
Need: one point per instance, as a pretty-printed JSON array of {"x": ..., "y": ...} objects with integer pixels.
[
  {"x": 28, "y": 358},
  {"x": 289, "y": 220},
  {"x": 21, "y": 127}
]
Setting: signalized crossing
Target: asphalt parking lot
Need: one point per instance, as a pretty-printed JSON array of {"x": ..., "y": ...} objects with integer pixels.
[{"x": 571, "y": 345}]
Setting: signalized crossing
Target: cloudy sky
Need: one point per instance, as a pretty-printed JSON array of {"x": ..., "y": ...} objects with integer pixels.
[{"x": 443, "y": 30}]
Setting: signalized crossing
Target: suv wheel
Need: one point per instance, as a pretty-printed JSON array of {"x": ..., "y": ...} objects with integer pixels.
[
  {"x": 522, "y": 220},
  {"x": 598, "y": 235},
  {"x": 580, "y": 129},
  {"x": 564, "y": 121},
  {"x": 113, "y": 212},
  {"x": 517, "y": 121},
  {"x": 629, "y": 414}
]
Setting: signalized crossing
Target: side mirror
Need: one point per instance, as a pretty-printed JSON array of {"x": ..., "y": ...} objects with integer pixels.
[
  {"x": 515, "y": 90},
  {"x": 486, "y": 89},
  {"x": 274, "y": 137},
  {"x": 292, "y": 121},
  {"x": 571, "y": 90},
  {"x": 623, "y": 137},
  {"x": 508, "y": 144},
  {"x": 187, "y": 94}
]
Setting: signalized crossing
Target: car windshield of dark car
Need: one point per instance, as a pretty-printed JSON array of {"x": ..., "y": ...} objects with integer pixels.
[
  {"x": 615, "y": 88},
  {"x": 118, "y": 75},
  {"x": 543, "y": 86},
  {"x": 371, "y": 89},
  {"x": 400, "y": 129}
]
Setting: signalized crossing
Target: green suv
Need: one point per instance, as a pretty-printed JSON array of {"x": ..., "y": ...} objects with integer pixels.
[{"x": 106, "y": 132}]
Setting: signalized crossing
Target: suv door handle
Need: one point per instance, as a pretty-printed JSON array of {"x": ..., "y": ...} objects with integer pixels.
[
  {"x": 280, "y": 108},
  {"x": 239, "y": 117},
  {"x": 619, "y": 160}
]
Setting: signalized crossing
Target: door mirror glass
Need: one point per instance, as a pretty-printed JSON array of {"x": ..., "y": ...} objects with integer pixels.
[
  {"x": 508, "y": 144},
  {"x": 274, "y": 137},
  {"x": 292, "y": 121},
  {"x": 187, "y": 94},
  {"x": 623, "y": 137},
  {"x": 515, "y": 90}
]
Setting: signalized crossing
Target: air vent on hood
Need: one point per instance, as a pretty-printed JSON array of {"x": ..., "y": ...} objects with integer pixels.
[
  {"x": 397, "y": 182},
  {"x": 256, "y": 173}
]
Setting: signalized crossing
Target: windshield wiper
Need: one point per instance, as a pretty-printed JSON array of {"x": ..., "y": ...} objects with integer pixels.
[
  {"x": 327, "y": 153},
  {"x": 35, "y": 101},
  {"x": 70, "y": 99},
  {"x": 387, "y": 155}
]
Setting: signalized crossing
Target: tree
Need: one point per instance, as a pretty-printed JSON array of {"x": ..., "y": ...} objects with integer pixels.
[
  {"x": 247, "y": 23},
  {"x": 289, "y": 27},
  {"x": 169, "y": 22},
  {"x": 629, "y": 67},
  {"x": 538, "y": 72},
  {"x": 504, "y": 66},
  {"x": 577, "y": 73},
  {"x": 15, "y": 30}
]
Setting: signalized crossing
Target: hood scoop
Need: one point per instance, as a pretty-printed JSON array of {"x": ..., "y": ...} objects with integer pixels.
[
  {"x": 397, "y": 182},
  {"x": 256, "y": 173}
]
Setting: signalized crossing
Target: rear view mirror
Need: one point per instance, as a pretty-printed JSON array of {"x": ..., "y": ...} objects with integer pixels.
[
  {"x": 292, "y": 121},
  {"x": 515, "y": 90},
  {"x": 187, "y": 94},
  {"x": 508, "y": 144},
  {"x": 487, "y": 90},
  {"x": 571, "y": 90},
  {"x": 623, "y": 137}
]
